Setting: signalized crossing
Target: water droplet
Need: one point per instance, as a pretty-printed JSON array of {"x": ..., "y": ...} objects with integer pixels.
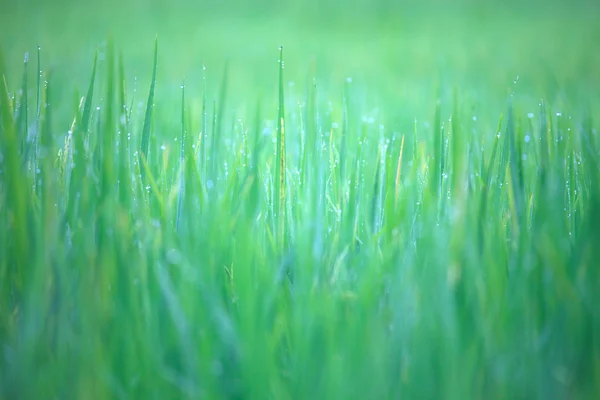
[
  {"x": 527, "y": 139},
  {"x": 529, "y": 115},
  {"x": 209, "y": 184}
]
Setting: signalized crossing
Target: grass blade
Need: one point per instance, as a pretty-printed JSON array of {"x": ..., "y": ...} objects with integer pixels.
[
  {"x": 15, "y": 196},
  {"x": 279, "y": 193},
  {"x": 487, "y": 180},
  {"x": 435, "y": 184},
  {"x": 124, "y": 142},
  {"x": 22, "y": 125},
  {"x": 181, "y": 160},
  {"x": 217, "y": 131},
  {"x": 145, "y": 143},
  {"x": 80, "y": 158}
]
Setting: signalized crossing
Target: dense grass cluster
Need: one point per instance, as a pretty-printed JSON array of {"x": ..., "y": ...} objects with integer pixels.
[{"x": 305, "y": 251}]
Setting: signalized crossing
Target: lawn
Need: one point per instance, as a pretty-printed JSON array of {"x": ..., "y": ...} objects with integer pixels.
[{"x": 269, "y": 200}]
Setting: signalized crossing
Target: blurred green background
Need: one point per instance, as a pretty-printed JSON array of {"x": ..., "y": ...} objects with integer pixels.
[{"x": 396, "y": 49}]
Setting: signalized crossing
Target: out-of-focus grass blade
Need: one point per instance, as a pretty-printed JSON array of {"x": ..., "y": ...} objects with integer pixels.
[
  {"x": 398, "y": 172},
  {"x": 502, "y": 167},
  {"x": 48, "y": 179},
  {"x": 487, "y": 180},
  {"x": 181, "y": 160},
  {"x": 438, "y": 153},
  {"x": 515, "y": 169},
  {"x": 106, "y": 148},
  {"x": 153, "y": 186},
  {"x": 38, "y": 106},
  {"x": 309, "y": 154},
  {"x": 80, "y": 159},
  {"x": 203, "y": 140},
  {"x": 217, "y": 131},
  {"x": 22, "y": 123},
  {"x": 124, "y": 173},
  {"x": 87, "y": 110},
  {"x": 279, "y": 193},
  {"x": 16, "y": 198},
  {"x": 459, "y": 151},
  {"x": 253, "y": 202},
  {"x": 145, "y": 143},
  {"x": 375, "y": 207},
  {"x": 124, "y": 115},
  {"x": 590, "y": 152},
  {"x": 344, "y": 134}
]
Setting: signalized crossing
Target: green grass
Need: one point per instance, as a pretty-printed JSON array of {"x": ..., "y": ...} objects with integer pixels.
[{"x": 425, "y": 229}]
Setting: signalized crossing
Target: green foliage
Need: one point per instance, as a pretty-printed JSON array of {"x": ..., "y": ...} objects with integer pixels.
[{"x": 336, "y": 252}]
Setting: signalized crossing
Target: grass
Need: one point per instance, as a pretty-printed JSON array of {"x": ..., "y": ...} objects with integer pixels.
[{"x": 258, "y": 239}]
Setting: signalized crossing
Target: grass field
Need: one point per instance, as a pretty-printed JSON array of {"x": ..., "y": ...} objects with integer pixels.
[{"x": 401, "y": 202}]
